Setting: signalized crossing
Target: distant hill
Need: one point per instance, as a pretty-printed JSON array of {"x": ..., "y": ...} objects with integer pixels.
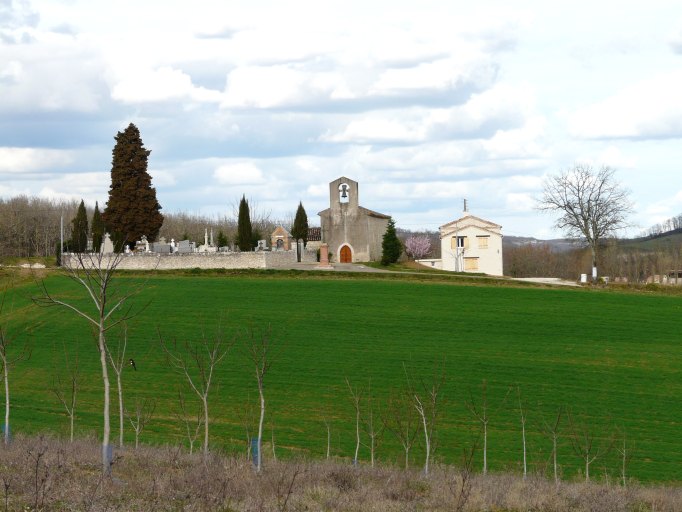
[
  {"x": 557, "y": 244},
  {"x": 647, "y": 243},
  {"x": 653, "y": 242}
]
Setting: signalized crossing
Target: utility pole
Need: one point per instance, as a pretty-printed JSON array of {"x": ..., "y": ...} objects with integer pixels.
[{"x": 61, "y": 238}]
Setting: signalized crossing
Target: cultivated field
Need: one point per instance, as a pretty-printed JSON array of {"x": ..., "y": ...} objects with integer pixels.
[{"x": 612, "y": 358}]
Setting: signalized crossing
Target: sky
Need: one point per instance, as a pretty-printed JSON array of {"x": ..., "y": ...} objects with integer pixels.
[{"x": 423, "y": 103}]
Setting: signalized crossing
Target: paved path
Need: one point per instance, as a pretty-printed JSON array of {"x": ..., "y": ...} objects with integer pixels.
[{"x": 546, "y": 280}]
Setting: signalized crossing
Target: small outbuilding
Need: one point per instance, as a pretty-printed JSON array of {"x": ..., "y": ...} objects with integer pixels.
[{"x": 280, "y": 240}]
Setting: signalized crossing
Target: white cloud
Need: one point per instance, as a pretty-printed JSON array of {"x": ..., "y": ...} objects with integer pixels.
[
  {"x": 378, "y": 129},
  {"x": 27, "y": 160},
  {"x": 239, "y": 173},
  {"x": 161, "y": 84},
  {"x": 11, "y": 72},
  {"x": 526, "y": 141},
  {"x": 650, "y": 108},
  {"x": 163, "y": 178},
  {"x": 519, "y": 202}
]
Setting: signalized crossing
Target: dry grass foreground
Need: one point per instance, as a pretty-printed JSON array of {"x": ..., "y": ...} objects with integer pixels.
[{"x": 40, "y": 473}]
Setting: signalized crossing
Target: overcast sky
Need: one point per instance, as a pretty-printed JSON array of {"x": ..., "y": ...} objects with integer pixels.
[{"x": 423, "y": 103}]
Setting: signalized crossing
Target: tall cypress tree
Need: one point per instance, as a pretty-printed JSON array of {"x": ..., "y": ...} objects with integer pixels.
[
  {"x": 390, "y": 245},
  {"x": 97, "y": 229},
  {"x": 79, "y": 233},
  {"x": 244, "y": 229},
  {"x": 132, "y": 209},
  {"x": 300, "y": 228}
]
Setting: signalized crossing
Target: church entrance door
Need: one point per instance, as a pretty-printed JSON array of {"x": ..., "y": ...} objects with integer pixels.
[{"x": 346, "y": 255}]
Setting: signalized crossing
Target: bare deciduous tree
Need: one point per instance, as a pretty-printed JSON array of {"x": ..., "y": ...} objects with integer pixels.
[
  {"x": 552, "y": 431},
  {"x": 197, "y": 363},
  {"x": 68, "y": 399},
  {"x": 95, "y": 273},
  {"x": 586, "y": 444},
  {"x": 356, "y": 399},
  {"x": 261, "y": 353},
  {"x": 426, "y": 397},
  {"x": 372, "y": 427},
  {"x": 328, "y": 426},
  {"x": 401, "y": 420},
  {"x": 480, "y": 412},
  {"x": 592, "y": 205},
  {"x": 192, "y": 423},
  {"x": 140, "y": 416},
  {"x": 522, "y": 413},
  {"x": 624, "y": 449}
]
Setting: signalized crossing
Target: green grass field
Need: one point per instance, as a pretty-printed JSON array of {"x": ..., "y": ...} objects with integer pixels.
[{"x": 614, "y": 359}]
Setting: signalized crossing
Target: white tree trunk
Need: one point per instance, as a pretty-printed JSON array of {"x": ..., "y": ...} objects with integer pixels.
[
  {"x": 106, "y": 432},
  {"x": 260, "y": 427},
  {"x": 485, "y": 448},
  {"x": 204, "y": 400},
  {"x": 523, "y": 435},
  {"x": 427, "y": 442},
  {"x": 554, "y": 456},
  {"x": 357, "y": 435},
  {"x": 120, "y": 409},
  {"x": 6, "y": 378},
  {"x": 329, "y": 440}
]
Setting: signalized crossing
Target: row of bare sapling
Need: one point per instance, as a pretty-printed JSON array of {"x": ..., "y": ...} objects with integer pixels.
[
  {"x": 409, "y": 415},
  {"x": 107, "y": 311}
]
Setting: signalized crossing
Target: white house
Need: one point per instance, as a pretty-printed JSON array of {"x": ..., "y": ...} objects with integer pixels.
[{"x": 471, "y": 244}]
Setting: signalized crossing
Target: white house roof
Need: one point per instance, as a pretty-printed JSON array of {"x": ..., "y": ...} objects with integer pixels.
[
  {"x": 469, "y": 221},
  {"x": 458, "y": 223}
]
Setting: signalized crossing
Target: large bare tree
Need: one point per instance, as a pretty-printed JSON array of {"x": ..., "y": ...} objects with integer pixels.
[{"x": 591, "y": 205}]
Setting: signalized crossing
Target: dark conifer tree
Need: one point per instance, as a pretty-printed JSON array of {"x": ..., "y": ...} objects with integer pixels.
[
  {"x": 391, "y": 246},
  {"x": 132, "y": 209},
  {"x": 97, "y": 229},
  {"x": 222, "y": 239},
  {"x": 300, "y": 228},
  {"x": 79, "y": 233},
  {"x": 244, "y": 229}
]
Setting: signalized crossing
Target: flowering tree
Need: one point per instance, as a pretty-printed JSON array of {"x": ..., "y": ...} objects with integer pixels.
[{"x": 418, "y": 247}]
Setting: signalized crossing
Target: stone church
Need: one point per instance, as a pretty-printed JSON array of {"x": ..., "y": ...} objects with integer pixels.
[{"x": 352, "y": 232}]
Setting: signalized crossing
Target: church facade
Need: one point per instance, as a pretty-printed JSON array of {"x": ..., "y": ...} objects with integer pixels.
[{"x": 352, "y": 232}]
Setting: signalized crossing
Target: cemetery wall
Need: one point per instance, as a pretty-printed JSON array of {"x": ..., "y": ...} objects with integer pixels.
[{"x": 230, "y": 260}]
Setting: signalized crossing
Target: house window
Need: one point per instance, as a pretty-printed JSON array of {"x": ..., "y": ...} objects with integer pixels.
[
  {"x": 483, "y": 241},
  {"x": 470, "y": 264},
  {"x": 459, "y": 242}
]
